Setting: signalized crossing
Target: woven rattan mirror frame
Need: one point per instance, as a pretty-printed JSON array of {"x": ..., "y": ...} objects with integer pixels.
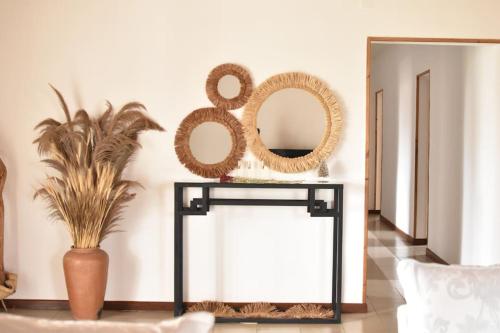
[
  {"x": 198, "y": 117},
  {"x": 333, "y": 118},
  {"x": 213, "y": 81}
]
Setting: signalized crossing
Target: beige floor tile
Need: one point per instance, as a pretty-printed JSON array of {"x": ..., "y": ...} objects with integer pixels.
[
  {"x": 369, "y": 306},
  {"x": 397, "y": 285},
  {"x": 350, "y": 317},
  {"x": 126, "y": 316},
  {"x": 389, "y": 320},
  {"x": 381, "y": 288},
  {"x": 370, "y": 324},
  {"x": 408, "y": 251},
  {"x": 136, "y": 316},
  {"x": 278, "y": 328},
  {"x": 373, "y": 272},
  {"x": 63, "y": 315},
  {"x": 47, "y": 314},
  {"x": 381, "y": 304},
  {"x": 332, "y": 328},
  {"x": 235, "y": 328},
  {"x": 379, "y": 252}
]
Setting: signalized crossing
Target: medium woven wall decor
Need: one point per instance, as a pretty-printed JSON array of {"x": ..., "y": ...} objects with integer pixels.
[
  {"x": 213, "y": 81},
  {"x": 198, "y": 117},
  {"x": 333, "y": 118}
]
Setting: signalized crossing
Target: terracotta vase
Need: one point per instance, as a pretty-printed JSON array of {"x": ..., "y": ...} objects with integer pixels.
[{"x": 86, "y": 274}]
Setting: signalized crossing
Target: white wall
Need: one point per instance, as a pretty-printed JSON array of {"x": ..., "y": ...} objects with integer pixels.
[
  {"x": 481, "y": 160},
  {"x": 159, "y": 52},
  {"x": 395, "y": 68}
]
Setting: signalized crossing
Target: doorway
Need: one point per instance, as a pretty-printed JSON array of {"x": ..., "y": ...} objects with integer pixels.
[
  {"x": 379, "y": 109},
  {"x": 399, "y": 211},
  {"x": 422, "y": 145}
]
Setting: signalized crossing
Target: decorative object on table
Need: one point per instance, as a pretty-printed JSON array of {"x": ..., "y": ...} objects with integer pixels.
[
  {"x": 88, "y": 194},
  {"x": 225, "y": 179},
  {"x": 323, "y": 170},
  {"x": 263, "y": 310},
  {"x": 267, "y": 96},
  {"x": 253, "y": 169},
  {"x": 191, "y": 152},
  {"x": 247, "y": 180},
  {"x": 8, "y": 281},
  {"x": 229, "y": 86}
]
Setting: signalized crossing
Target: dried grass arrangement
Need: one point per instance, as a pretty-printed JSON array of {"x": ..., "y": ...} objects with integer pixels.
[
  {"x": 198, "y": 117},
  {"x": 219, "y": 309},
  {"x": 263, "y": 310},
  {"x": 89, "y": 156},
  {"x": 308, "y": 311},
  {"x": 333, "y": 118},
  {"x": 212, "y": 86},
  {"x": 259, "y": 310}
]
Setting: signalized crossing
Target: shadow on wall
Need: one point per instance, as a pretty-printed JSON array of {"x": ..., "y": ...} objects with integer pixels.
[
  {"x": 336, "y": 166},
  {"x": 451, "y": 161},
  {"x": 390, "y": 148},
  {"x": 137, "y": 251}
]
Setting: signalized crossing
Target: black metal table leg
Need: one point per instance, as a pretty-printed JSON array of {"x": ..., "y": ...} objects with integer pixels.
[{"x": 178, "y": 252}]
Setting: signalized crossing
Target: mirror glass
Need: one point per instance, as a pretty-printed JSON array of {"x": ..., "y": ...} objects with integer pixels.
[
  {"x": 229, "y": 86},
  {"x": 291, "y": 122},
  {"x": 210, "y": 142}
]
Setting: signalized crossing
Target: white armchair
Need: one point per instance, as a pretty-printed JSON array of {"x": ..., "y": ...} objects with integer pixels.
[
  {"x": 403, "y": 319},
  {"x": 200, "y": 322},
  {"x": 449, "y": 299}
]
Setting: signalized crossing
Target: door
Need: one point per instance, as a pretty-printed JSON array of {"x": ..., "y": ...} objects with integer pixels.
[
  {"x": 422, "y": 143},
  {"x": 379, "y": 111}
]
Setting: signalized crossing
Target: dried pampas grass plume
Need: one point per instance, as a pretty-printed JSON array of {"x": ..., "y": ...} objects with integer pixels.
[{"x": 89, "y": 155}]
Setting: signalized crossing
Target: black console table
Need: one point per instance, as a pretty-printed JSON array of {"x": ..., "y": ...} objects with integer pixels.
[{"x": 316, "y": 208}]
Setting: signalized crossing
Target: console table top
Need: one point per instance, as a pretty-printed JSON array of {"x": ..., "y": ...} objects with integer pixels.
[{"x": 317, "y": 185}]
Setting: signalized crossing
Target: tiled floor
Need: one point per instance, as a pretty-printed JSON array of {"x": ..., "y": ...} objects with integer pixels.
[{"x": 385, "y": 249}]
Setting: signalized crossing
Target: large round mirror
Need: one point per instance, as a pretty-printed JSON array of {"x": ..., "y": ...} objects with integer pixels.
[
  {"x": 210, "y": 142},
  {"x": 291, "y": 122},
  {"x": 299, "y": 121},
  {"x": 229, "y": 86}
]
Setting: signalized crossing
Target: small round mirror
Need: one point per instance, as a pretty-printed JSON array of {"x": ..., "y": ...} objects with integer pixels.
[
  {"x": 229, "y": 86},
  {"x": 210, "y": 142}
]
